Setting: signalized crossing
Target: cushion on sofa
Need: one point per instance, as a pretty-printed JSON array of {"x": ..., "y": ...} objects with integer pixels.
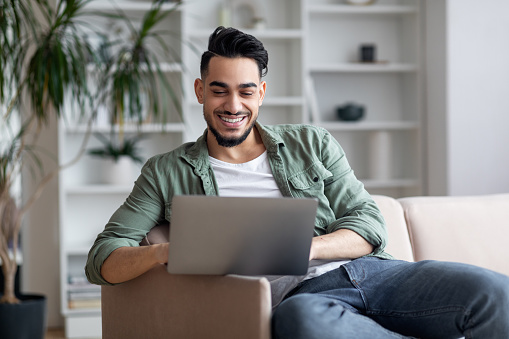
[
  {"x": 399, "y": 241},
  {"x": 157, "y": 235},
  {"x": 468, "y": 229}
]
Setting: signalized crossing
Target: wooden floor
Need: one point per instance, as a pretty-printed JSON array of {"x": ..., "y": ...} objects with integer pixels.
[{"x": 55, "y": 333}]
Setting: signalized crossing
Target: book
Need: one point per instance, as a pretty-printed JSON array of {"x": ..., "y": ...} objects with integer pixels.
[{"x": 92, "y": 303}]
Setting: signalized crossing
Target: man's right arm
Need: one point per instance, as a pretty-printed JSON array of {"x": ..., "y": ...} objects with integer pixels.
[
  {"x": 116, "y": 255},
  {"x": 126, "y": 263}
]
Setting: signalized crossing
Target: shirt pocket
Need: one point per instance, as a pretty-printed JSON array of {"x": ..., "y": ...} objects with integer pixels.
[
  {"x": 311, "y": 179},
  {"x": 309, "y": 183}
]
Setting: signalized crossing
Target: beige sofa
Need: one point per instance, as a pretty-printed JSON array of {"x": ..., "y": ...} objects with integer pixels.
[{"x": 159, "y": 305}]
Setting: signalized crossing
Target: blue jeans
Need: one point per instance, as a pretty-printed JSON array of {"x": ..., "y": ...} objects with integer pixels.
[{"x": 374, "y": 298}]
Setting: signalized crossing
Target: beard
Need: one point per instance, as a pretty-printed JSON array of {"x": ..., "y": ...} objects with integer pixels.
[{"x": 229, "y": 142}]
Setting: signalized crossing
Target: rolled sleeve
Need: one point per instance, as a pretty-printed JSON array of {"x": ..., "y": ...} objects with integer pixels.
[
  {"x": 142, "y": 210},
  {"x": 98, "y": 254}
]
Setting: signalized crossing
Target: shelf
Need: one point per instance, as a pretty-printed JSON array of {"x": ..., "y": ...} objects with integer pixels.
[
  {"x": 389, "y": 183},
  {"x": 334, "y": 126},
  {"x": 176, "y": 127},
  {"x": 260, "y": 34},
  {"x": 81, "y": 311},
  {"x": 364, "y": 68},
  {"x": 376, "y": 9},
  {"x": 165, "y": 67},
  {"x": 283, "y": 101},
  {"x": 77, "y": 251},
  {"x": 98, "y": 189},
  {"x": 128, "y": 6}
]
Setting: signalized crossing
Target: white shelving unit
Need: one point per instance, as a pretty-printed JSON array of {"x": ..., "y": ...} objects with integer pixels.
[
  {"x": 383, "y": 148},
  {"x": 306, "y": 39}
]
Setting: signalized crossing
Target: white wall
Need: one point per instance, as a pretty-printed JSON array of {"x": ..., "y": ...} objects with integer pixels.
[
  {"x": 436, "y": 97},
  {"x": 40, "y": 235},
  {"x": 468, "y": 96}
]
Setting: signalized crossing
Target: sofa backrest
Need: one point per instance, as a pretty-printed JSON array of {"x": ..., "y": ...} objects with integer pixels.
[
  {"x": 468, "y": 229},
  {"x": 399, "y": 244},
  {"x": 399, "y": 241}
]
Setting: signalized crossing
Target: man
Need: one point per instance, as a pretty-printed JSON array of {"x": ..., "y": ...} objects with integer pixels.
[{"x": 353, "y": 289}]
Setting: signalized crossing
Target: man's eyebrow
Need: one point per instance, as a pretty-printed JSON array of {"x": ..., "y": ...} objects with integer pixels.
[
  {"x": 225, "y": 85},
  {"x": 248, "y": 85},
  {"x": 218, "y": 84}
]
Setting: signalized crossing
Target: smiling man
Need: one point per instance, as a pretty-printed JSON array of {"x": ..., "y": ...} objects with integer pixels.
[
  {"x": 352, "y": 289},
  {"x": 231, "y": 94}
]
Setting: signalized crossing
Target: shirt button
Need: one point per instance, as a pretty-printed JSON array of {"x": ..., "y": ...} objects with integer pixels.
[{"x": 315, "y": 179}]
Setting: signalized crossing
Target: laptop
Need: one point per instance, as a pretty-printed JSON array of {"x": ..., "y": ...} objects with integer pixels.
[{"x": 247, "y": 236}]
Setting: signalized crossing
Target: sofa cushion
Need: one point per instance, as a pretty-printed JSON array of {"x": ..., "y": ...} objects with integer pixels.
[
  {"x": 157, "y": 235},
  {"x": 468, "y": 229},
  {"x": 399, "y": 241}
]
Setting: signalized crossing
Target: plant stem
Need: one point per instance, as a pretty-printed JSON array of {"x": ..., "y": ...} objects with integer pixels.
[{"x": 12, "y": 102}]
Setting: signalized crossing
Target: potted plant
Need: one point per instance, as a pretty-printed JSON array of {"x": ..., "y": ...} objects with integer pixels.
[
  {"x": 44, "y": 59},
  {"x": 132, "y": 78},
  {"x": 120, "y": 157},
  {"x": 42, "y": 62}
]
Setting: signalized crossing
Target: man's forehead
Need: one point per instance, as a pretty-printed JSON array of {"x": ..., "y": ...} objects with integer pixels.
[{"x": 224, "y": 69}]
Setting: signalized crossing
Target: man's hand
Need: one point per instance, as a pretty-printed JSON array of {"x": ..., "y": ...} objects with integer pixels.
[
  {"x": 162, "y": 252},
  {"x": 126, "y": 263},
  {"x": 341, "y": 244}
]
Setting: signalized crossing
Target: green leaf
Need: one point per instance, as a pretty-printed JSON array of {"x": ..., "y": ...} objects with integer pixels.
[{"x": 115, "y": 147}]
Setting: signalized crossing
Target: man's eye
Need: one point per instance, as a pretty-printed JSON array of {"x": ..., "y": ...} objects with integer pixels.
[
  {"x": 219, "y": 92},
  {"x": 247, "y": 93}
]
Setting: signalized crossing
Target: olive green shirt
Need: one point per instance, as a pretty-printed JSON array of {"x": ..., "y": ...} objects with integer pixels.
[{"x": 306, "y": 161}]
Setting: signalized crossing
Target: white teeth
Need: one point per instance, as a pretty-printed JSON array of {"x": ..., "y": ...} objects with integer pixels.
[{"x": 231, "y": 120}]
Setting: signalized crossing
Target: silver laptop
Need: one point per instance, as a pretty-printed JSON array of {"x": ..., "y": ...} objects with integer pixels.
[{"x": 248, "y": 236}]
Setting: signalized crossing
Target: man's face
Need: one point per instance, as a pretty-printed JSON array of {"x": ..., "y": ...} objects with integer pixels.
[{"x": 231, "y": 95}]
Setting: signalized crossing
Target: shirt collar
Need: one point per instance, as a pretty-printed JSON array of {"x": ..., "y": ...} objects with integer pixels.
[
  {"x": 271, "y": 140},
  {"x": 197, "y": 155}
]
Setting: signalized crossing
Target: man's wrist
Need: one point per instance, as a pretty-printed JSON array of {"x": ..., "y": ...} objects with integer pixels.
[{"x": 160, "y": 252}]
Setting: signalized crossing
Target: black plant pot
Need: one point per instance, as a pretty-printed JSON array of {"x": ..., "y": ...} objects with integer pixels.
[{"x": 26, "y": 320}]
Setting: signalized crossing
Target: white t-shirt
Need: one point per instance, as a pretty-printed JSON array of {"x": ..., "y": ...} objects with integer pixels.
[
  {"x": 254, "y": 179},
  {"x": 250, "y": 179}
]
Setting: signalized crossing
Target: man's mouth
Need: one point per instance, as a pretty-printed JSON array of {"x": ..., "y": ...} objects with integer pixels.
[{"x": 231, "y": 120}]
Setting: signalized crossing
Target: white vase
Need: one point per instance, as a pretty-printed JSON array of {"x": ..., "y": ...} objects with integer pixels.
[
  {"x": 121, "y": 172},
  {"x": 381, "y": 155}
]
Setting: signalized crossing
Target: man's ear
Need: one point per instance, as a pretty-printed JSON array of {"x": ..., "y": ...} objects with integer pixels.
[
  {"x": 198, "y": 90},
  {"x": 263, "y": 87}
]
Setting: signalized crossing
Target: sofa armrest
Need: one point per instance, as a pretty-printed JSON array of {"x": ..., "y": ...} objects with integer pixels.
[
  {"x": 399, "y": 241},
  {"x": 162, "y": 305}
]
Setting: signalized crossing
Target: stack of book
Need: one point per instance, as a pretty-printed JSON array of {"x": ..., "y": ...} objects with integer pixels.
[{"x": 83, "y": 294}]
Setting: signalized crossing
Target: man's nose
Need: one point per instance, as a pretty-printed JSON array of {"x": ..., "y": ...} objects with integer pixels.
[{"x": 233, "y": 104}]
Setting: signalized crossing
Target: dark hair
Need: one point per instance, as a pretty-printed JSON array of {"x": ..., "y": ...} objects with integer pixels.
[{"x": 232, "y": 43}]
